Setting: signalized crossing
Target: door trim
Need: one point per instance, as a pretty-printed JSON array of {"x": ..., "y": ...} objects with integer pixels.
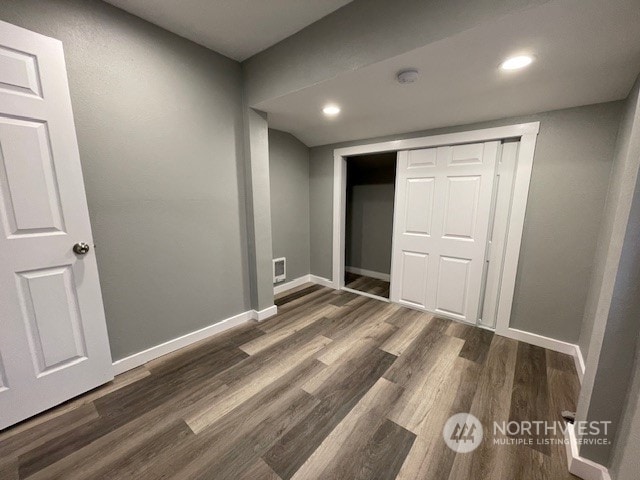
[{"x": 526, "y": 132}]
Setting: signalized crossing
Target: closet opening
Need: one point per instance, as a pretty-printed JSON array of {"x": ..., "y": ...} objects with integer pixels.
[{"x": 370, "y": 192}]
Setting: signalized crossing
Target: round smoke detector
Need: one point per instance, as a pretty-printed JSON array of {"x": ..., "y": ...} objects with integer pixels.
[{"x": 409, "y": 75}]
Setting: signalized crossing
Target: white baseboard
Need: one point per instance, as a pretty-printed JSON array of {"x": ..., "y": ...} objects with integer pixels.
[
  {"x": 325, "y": 282},
  {"x": 261, "y": 315},
  {"x": 369, "y": 273},
  {"x": 366, "y": 294},
  {"x": 283, "y": 287},
  {"x": 540, "y": 341},
  {"x": 301, "y": 281},
  {"x": 579, "y": 466},
  {"x": 140, "y": 358},
  {"x": 549, "y": 344}
]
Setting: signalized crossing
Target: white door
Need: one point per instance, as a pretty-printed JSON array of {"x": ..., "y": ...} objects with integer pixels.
[
  {"x": 443, "y": 203},
  {"x": 53, "y": 337}
]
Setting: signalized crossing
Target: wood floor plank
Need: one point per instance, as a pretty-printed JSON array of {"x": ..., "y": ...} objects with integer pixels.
[
  {"x": 374, "y": 334},
  {"x": 9, "y": 468},
  {"x": 530, "y": 396},
  {"x": 181, "y": 386},
  {"x": 274, "y": 353},
  {"x": 136, "y": 463},
  {"x": 39, "y": 434},
  {"x": 119, "y": 382},
  {"x": 563, "y": 384},
  {"x": 412, "y": 362},
  {"x": 337, "y": 398},
  {"x": 343, "y": 298},
  {"x": 423, "y": 388},
  {"x": 477, "y": 341},
  {"x": 259, "y": 470},
  {"x": 192, "y": 353},
  {"x": 361, "y": 312},
  {"x": 258, "y": 344},
  {"x": 296, "y": 295},
  {"x": 562, "y": 362},
  {"x": 285, "y": 318},
  {"x": 232, "y": 461},
  {"x": 373, "y": 329},
  {"x": 402, "y": 316},
  {"x": 207, "y": 448},
  {"x": 361, "y": 342},
  {"x": 155, "y": 390},
  {"x": 521, "y": 461},
  {"x": 430, "y": 458},
  {"x": 93, "y": 442},
  {"x": 406, "y": 334},
  {"x": 229, "y": 446},
  {"x": 320, "y": 294},
  {"x": 491, "y": 403},
  {"x": 384, "y": 453},
  {"x": 252, "y": 384},
  {"x": 293, "y": 290},
  {"x": 352, "y": 449}
]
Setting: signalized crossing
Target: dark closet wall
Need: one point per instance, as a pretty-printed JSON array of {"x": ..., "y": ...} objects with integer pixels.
[{"x": 370, "y": 196}]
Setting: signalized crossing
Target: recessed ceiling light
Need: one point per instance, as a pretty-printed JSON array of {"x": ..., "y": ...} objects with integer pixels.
[
  {"x": 516, "y": 63},
  {"x": 331, "y": 110}
]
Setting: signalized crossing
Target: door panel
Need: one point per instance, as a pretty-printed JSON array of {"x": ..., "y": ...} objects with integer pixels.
[
  {"x": 26, "y": 166},
  {"x": 443, "y": 202},
  {"x": 415, "y": 271},
  {"x": 461, "y": 206},
  {"x": 52, "y": 318},
  {"x": 422, "y": 158},
  {"x": 54, "y": 342},
  {"x": 471, "y": 154},
  {"x": 453, "y": 286},
  {"x": 419, "y": 205},
  {"x": 19, "y": 72}
]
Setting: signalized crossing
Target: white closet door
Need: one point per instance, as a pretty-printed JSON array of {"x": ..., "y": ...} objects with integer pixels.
[
  {"x": 53, "y": 336},
  {"x": 441, "y": 219},
  {"x": 497, "y": 237}
]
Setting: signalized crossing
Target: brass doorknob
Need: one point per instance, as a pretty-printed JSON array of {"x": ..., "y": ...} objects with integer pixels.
[{"x": 81, "y": 248}]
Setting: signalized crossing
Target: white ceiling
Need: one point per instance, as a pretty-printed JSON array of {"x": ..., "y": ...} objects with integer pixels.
[
  {"x": 587, "y": 52},
  {"x": 235, "y": 28}
]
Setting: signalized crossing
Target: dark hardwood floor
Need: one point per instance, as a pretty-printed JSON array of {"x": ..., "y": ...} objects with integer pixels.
[
  {"x": 336, "y": 386},
  {"x": 365, "y": 284}
]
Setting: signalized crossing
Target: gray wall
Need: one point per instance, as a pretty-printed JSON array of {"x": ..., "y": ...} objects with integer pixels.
[
  {"x": 258, "y": 207},
  {"x": 369, "y": 222},
  {"x": 566, "y": 199},
  {"x": 611, "y": 318},
  {"x": 159, "y": 125},
  {"x": 625, "y": 463},
  {"x": 615, "y": 218},
  {"x": 289, "y": 176}
]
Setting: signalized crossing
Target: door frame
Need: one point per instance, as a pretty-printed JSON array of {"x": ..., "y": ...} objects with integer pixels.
[{"x": 526, "y": 132}]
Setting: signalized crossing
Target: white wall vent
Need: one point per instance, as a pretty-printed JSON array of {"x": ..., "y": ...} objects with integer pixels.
[{"x": 279, "y": 269}]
